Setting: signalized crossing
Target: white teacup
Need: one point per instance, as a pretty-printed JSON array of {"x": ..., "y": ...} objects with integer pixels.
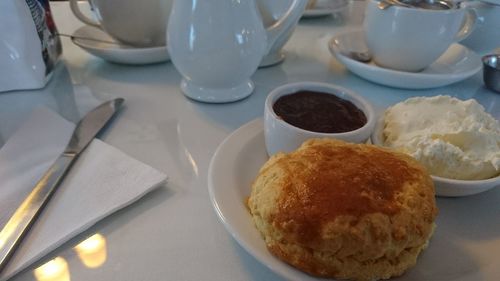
[
  {"x": 140, "y": 23},
  {"x": 410, "y": 39}
]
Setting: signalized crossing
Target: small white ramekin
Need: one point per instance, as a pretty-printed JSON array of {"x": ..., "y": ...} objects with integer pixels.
[{"x": 281, "y": 136}]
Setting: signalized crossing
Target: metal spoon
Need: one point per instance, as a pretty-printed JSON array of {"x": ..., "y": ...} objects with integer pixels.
[
  {"x": 73, "y": 37},
  {"x": 359, "y": 56},
  {"x": 384, "y": 4}
]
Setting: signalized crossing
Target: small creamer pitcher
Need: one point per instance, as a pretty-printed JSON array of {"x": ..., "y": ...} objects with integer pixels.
[{"x": 218, "y": 44}]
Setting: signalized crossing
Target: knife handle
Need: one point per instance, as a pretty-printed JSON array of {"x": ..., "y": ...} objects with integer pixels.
[{"x": 26, "y": 214}]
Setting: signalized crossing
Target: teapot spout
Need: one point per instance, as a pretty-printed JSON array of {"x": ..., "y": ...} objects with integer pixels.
[{"x": 279, "y": 32}]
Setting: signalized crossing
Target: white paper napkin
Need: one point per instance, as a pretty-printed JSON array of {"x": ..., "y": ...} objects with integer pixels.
[{"x": 102, "y": 181}]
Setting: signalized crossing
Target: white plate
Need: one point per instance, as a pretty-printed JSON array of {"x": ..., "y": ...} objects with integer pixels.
[
  {"x": 456, "y": 64},
  {"x": 464, "y": 247},
  {"x": 445, "y": 187},
  {"x": 326, "y": 8},
  {"x": 231, "y": 173},
  {"x": 107, "y": 48}
]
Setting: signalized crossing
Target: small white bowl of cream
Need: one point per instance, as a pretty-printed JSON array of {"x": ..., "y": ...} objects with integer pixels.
[{"x": 457, "y": 141}]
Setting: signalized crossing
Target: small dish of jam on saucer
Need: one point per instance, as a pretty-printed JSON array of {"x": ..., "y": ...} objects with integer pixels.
[{"x": 299, "y": 111}]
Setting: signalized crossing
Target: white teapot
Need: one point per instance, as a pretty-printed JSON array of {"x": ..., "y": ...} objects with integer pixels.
[{"x": 218, "y": 44}]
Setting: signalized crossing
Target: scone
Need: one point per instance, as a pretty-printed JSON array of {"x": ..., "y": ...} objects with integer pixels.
[{"x": 347, "y": 211}]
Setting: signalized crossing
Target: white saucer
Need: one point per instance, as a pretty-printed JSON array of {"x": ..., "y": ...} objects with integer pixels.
[
  {"x": 231, "y": 172},
  {"x": 326, "y": 8},
  {"x": 107, "y": 48},
  {"x": 456, "y": 64}
]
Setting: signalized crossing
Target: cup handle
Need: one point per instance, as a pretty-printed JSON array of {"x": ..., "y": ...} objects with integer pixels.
[
  {"x": 73, "y": 4},
  {"x": 468, "y": 26}
]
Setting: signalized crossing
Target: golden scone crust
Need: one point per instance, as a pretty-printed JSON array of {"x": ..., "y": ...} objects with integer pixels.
[{"x": 346, "y": 211}]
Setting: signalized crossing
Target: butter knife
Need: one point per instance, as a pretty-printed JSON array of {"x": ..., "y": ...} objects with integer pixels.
[{"x": 26, "y": 214}]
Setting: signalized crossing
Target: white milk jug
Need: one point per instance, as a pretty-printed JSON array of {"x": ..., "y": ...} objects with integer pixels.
[
  {"x": 218, "y": 44},
  {"x": 29, "y": 46}
]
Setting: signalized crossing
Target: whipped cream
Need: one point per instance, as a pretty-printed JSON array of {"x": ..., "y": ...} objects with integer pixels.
[{"x": 453, "y": 138}]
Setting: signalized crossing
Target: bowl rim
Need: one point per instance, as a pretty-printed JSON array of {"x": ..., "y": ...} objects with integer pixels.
[
  {"x": 375, "y": 139},
  {"x": 360, "y": 102}
]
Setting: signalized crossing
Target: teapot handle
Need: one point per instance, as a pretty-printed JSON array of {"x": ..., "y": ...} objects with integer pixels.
[
  {"x": 73, "y": 4},
  {"x": 285, "y": 23}
]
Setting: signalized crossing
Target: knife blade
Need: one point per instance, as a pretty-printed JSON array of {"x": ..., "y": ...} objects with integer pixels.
[{"x": 26, "y": 214}]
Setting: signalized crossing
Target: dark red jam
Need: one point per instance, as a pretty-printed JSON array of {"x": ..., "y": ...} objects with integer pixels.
[{"x": 319, "y": 112}]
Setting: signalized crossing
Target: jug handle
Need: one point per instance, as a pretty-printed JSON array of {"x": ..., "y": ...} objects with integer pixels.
[
  {"x": 73, "y": 4},
  {"x": 287, "y": 21}
]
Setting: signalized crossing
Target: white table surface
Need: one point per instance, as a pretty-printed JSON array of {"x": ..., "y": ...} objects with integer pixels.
[{"x": 173, "y": 233}]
